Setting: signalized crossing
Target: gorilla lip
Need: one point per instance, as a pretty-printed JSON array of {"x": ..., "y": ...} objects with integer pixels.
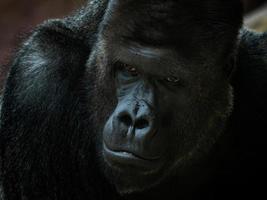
[{"x": 126, "y": 157}]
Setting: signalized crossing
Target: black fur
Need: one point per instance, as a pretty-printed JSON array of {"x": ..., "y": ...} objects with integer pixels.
[{"x": 55, "y": 103}]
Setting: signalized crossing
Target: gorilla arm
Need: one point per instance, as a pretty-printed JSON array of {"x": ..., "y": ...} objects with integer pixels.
[
  {"x": 41, "y": 88},
  {"x": 39, "y": 79}
]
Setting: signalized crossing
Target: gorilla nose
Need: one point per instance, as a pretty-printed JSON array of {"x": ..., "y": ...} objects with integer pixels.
[
  {"x": 141, "y": 123},
  {"x": 137, "y": 118},
  {"x": 137, "y": 122}
]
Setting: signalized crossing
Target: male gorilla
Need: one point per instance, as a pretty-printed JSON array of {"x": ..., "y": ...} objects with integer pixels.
[{"x": 136, "y": 99}]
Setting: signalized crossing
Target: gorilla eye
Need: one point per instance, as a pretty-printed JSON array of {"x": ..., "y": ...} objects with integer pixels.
[
  {"x": 131, "y": 70},
  {"x": 173, "y": 79}
]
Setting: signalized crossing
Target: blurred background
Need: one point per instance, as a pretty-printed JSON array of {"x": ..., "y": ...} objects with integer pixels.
[{"x": 18, "y": 18}]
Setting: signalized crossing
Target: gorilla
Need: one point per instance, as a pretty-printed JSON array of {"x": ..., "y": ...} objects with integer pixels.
[{"x": 137, "y": 99}]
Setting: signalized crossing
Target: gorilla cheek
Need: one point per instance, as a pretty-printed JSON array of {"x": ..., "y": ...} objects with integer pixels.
[{"x": 113, "y": 132}]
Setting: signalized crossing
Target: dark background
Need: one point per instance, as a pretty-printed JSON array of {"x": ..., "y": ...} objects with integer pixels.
[
  {"x": 252, "y": 4},
  {"x": 18, "y": 17}
]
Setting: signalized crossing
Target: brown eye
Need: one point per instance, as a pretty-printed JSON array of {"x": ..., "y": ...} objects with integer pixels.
[
  {"x": 172, "y": 79},
  {"x": 131, "y": 70}
]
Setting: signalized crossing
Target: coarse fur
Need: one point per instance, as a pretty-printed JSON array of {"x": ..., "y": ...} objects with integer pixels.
[{"x": 61, "y": 94}]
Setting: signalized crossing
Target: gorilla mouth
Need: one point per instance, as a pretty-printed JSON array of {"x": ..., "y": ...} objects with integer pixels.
[{"x": 124, "y": 157}]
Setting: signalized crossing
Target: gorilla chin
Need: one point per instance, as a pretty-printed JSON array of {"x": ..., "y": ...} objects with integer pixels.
[{"x": 132, "y": 173}]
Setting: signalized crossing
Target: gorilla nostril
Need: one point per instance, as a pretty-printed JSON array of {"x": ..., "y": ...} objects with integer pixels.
[
  {"x": 141, "y": 123},
  {"x": 125, "y": 119}
]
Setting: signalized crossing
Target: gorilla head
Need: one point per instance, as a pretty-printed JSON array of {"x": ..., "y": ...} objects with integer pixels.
[{"x": 169, "y": 65}]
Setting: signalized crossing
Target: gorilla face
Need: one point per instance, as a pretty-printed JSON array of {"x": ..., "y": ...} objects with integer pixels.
[
  {"x": 169, "y": 111},
  {"x": 172, "y": 99}
]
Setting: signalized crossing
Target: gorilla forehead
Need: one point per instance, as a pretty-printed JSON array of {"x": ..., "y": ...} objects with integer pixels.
[
  {"x": 149, "y": 59},
  {"x": 156, "y": 60},
  {"x": 165, "y": 22}
]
